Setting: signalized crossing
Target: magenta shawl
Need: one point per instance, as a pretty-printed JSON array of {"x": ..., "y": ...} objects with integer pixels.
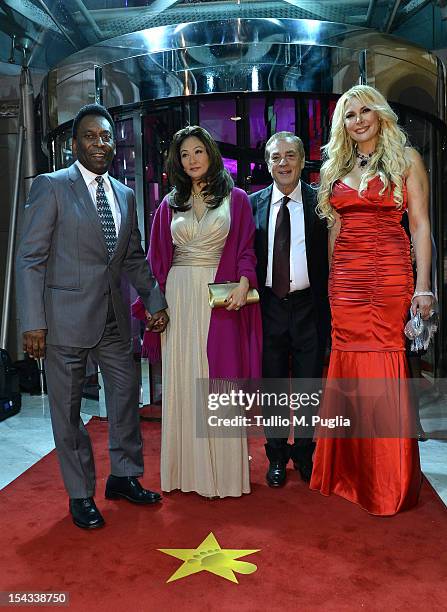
[{"x": 234, "y": 346}]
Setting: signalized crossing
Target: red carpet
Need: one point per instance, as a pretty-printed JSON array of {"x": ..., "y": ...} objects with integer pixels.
[{"x": 315, "y": 552}]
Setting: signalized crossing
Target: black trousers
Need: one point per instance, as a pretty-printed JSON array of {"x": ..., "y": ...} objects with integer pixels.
[{"x": 291, "y": 346}]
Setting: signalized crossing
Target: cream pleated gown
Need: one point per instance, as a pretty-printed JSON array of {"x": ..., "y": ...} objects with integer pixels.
[{"x": 191, "y": 461}]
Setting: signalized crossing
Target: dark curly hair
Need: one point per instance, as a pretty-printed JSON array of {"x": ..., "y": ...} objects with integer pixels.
[
  {"x": 218, "y": 181},
  {"x": 92, "y": 109}
]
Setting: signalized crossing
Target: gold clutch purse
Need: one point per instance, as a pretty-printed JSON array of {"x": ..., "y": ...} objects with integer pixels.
[{"x": 218, "y": 293}]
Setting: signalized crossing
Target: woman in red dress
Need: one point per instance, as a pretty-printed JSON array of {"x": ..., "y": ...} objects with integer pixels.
[{"x": 368, "y": 179}]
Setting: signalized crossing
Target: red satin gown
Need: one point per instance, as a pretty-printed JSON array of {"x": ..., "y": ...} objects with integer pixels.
[{"x": 370, "y": 289}]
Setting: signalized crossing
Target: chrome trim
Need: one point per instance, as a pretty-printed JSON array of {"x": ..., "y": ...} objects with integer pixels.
[
  {"x": 363, "y": 67},
  {"x": 235, "y": 31},
  {"x": 442, "y": 91},
  {"x": 7, "y": 290},
  {"x": 238, "y": 55}
]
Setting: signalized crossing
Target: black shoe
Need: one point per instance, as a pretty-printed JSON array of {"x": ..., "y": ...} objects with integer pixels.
[
  {"x": 129, "y": 488},
  {"x": 304, "y": 467},
  {"x": 84, "y": 513},
  {"x": 276, "y": 475}
]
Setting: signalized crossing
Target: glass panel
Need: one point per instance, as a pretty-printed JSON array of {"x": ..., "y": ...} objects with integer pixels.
[
  {"x": 218, "y": 117},
  {"x": 284, "y": 112},
  {"x": 231, "y": 166},
  {"x": 314, "y": 178},
  {"x": 123, "y": 166},
  {"x": 315, "y": 128},
  {"x": 332, "y": 104},
  {"x": 419, "y": 131},
  {"x": 64, "y": 156},
  {"x": 158, "y": 129},
  {"x": 155, "y": 180},
  {"x": 407, "y": 76},
  {"x": 259, "y": 176},
  {"x": 71, "y": 91},
  {"x": 123, "y": 169},
  {"x": 256, "y": 118},
  {"x": 420, "y": 135}
]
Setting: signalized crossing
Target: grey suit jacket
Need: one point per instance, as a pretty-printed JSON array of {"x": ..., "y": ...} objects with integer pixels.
[{"x": 63, "y": 274}]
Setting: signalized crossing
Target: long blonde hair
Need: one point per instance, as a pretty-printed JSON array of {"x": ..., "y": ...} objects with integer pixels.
[{"x": 388, "y": 160}]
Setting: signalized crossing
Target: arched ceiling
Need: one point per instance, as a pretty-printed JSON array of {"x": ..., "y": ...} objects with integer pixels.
[{"x": 44, "y": 32}]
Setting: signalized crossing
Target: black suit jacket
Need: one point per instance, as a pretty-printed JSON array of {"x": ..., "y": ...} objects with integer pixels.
[{"x": 316, "y": 236}]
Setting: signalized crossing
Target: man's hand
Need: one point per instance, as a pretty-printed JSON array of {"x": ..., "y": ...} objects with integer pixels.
[
  {"x": 157, "y": 322},
  {"x": 34, "y": 343}
]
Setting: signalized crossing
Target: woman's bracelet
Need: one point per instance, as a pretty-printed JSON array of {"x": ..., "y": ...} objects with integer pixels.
[{"x": 422, "y": 293}]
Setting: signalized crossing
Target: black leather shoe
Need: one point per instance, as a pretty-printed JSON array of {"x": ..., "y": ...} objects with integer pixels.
[
  {"x": 130, "y": 488},
  {"x": 276, "y": 475},
  {"x": 304, "y": 468},
  {"x": 84, "y": 513}
]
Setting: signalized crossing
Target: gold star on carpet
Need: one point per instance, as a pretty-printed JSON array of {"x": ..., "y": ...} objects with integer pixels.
[{"x": 210, "y": 557}]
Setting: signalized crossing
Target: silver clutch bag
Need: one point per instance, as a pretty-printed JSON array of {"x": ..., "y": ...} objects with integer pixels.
[
  {"x": 219, "y": 292},
  {"x": 421, "y": 331}
]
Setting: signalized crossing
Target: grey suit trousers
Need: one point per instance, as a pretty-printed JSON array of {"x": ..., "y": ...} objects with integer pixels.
[{"x": 65, "y": 369}]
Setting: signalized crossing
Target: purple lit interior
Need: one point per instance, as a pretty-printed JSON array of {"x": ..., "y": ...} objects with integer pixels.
[
  {"x": 215, "y": 116},
  {"x": 315, "y": 131},
  {"x": 284, "y": 110},
  {"x": 258, "y": 128},
  {"x": 231, "y": 166}
]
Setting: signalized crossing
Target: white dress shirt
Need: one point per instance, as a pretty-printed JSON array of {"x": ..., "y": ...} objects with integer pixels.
[
  {"x": 299, "y": 277},
  {"x": 92, "y": 185}
]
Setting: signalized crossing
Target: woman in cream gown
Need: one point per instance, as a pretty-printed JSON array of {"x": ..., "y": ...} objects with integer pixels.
[
  {"x": 190, "y": 462},
  {"x": 202, "y": 233}
]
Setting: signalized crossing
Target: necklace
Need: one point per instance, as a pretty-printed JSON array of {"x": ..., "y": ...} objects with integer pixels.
[
  {"x": 363, "y": 159},
  {"x": 198, "y": 195},
  {"x": 198, "y": 205}
]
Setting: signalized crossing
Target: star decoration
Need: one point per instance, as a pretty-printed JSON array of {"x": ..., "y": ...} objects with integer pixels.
[{"x": 210, "y": 557}]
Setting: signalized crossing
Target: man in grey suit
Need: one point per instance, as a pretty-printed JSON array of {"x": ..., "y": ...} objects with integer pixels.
[{"x": 79, "y": 236}]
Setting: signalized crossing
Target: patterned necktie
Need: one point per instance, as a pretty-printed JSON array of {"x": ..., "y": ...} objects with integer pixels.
[
  {"x": 105, "y": 216},
  {"x": 281, "y": 252}
]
